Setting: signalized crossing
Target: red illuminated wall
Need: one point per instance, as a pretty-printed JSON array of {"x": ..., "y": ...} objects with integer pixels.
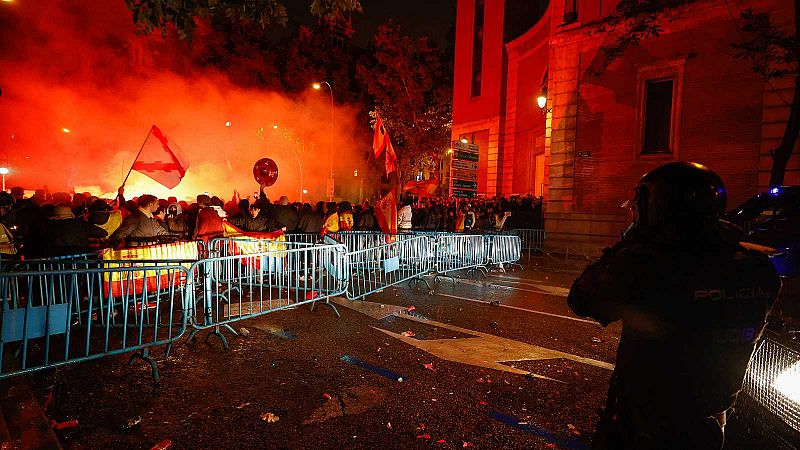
[{"x": 724, "y": 115}]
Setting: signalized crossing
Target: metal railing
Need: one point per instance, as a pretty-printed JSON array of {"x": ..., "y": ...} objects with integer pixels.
[
  {"x": 52, "y": 318},
  {"x": 248, "y": 278},
  {"x": 64, "y": 310},
  {"x": 456, "y": 252},
  {"x": 503, "y": 250},
  {"x": 374, "y": 269}
]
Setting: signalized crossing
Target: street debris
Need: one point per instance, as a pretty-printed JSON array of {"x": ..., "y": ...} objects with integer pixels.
[
  {"x": 327, "y": 396},
  {"x": 312, "y": 295},
  {"x": 389, "y": 425},
  {"x": 408, "y": 333},
  {"x": 424, "y": 436},
  {"x": 573, "y": 429},
  {"x": 163, "y": 445},
  {"x": 242, "y": 405},
  {"x": 466, "y": 444},
  {"x": 372, "y": 368},
  {"x": 269, "y": 417},
  {"x": 133, "y": 422},
  {"x": 244, "y": 331},
  {"x": 441, "y": 441},
  {"x": 63, "y": 425},
  {"x": 596, "y": 340},
  {"x": 482, "y": 403},
  {"x": 429, "y": 367},
  {"x": 411, "y": 309}
]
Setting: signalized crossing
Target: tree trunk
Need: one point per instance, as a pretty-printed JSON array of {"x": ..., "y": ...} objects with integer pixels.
[{"x": 781, "y": 154}]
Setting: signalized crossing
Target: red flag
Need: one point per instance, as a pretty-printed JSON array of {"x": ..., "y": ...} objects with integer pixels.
[
  {"x": 379, "y": 139},
  {"x": 386, "y": 213},
  {"x": 424, "y": 188},
  {"x": 161, "y": 159},
  {"x": 391, "y": 157}
]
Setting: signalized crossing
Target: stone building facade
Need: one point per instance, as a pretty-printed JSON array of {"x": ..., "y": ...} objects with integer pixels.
[{"x": 681, "y": 96}]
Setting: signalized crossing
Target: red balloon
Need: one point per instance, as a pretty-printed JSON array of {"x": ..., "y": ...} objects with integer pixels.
[{"x": 265, "y": 171}]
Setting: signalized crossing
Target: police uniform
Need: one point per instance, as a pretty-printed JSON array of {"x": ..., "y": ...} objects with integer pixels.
[{"x": 692, "y": 302}]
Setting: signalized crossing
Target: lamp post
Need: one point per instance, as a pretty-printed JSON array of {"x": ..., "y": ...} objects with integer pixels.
[
  {"x": 298, "y": 140},
  {"x": 4, "y": 171},
  {"x": 300, "y": 164},
  {"x": 318, "y": 86}
]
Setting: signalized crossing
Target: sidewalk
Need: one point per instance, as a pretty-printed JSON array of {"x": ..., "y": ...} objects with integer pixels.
[{"x": 556, "y": 263}]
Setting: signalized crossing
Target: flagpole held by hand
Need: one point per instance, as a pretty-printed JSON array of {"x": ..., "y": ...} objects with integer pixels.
[{"x": 137, "y": 155}]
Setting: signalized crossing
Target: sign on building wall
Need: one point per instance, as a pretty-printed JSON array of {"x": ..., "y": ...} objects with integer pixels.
[{"x": 464, "y": 171}]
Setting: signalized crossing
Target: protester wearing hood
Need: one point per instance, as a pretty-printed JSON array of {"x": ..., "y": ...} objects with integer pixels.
[{"x": 66, "y": 234}]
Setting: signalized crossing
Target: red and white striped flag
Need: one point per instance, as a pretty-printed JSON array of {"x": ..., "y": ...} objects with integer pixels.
[{"x": 161, "y": 159}]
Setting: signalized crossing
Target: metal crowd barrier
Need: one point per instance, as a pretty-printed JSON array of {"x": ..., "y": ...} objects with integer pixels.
[
  {"x": 250, "y": 277},
  {"x": 374, "y": 269},
  {"x": 532, "y": 240},
  {"x": 52, "y": 318},
  {"x": 58, "y": 311},
  {"x": 459, "y": 252},
  {"x": 504, "y": 250},
  {"x": 356, "y": 241}
]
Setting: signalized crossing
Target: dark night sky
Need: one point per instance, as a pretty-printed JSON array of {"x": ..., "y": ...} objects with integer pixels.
[{"x": 431, "y": 18}]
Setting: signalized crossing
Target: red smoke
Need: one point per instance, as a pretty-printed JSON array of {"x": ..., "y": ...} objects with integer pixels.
[{"x": 79, "y": 65}]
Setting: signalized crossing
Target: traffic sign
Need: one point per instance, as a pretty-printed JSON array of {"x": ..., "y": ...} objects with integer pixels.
[
  {"x": 466, "y": 156},
  {"x": 458, "y": 145},
  {"x": 463, "y": 165},
  {"x": 465, "y": 174},
  {"x": 464, "y": 193},
  {"x": 465, "y": 184}
]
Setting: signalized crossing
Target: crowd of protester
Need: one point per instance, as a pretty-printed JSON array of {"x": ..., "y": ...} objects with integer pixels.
[{"x": 45, "y": 224}]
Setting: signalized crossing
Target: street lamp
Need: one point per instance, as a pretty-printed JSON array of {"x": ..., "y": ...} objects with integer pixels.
[
  {"x": 4, "y": 171},
  {"x": 318, "y": 86}
]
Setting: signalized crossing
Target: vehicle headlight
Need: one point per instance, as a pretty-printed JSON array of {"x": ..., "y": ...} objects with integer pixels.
[
  {"x": 773, "y": 380},
  {"x": 788, "y": 382}
]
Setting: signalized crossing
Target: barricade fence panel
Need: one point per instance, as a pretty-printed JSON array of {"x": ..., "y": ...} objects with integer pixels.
[
  {"x": 376, "y": 268},
  {"x": 457, "y": 252},
  {"x": 532, "y": 240},
  {"x": 255, "y": 277},
  {"x": 504, "y": 249},
  {"x": 51, "y": 318}
]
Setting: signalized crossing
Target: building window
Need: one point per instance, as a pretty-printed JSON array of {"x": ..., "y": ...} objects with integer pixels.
[
  {"x": 659, "y": 113},
  {"x": 657, "y": 116},
  {"x": 477, "y": 48}
]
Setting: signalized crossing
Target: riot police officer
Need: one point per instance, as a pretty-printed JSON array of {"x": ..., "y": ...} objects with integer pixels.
[{"x": 692, "y": 302}]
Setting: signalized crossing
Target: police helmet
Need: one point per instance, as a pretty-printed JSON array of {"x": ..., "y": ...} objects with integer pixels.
[{"x": 679, "y": 193}]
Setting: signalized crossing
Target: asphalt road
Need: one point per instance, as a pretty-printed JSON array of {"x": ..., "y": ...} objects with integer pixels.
[{"x": 526, "y": 373}]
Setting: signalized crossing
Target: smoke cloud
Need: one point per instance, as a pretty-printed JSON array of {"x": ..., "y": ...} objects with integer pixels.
[{"x": 81, "y": 90}]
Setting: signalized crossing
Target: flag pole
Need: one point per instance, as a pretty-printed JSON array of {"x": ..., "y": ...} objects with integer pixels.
[{"x": 137, "y": 155}]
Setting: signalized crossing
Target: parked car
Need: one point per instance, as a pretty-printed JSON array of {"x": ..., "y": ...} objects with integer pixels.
[{"x": 767, "y": 412}]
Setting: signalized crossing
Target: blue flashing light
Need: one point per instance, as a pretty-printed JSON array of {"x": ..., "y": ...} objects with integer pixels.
[{"x": 775, "y": 191}]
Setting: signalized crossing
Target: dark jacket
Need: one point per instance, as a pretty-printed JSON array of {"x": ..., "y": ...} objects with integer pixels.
[
  {"x": 309, "y": 223},
  {"x": 692, "y": 309},
  {"x": 138, "y": 229},
  {"x": 247, "y": 222},
  {"x": 69, "y": 236},
  {"x": 285, "y": 216}
]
